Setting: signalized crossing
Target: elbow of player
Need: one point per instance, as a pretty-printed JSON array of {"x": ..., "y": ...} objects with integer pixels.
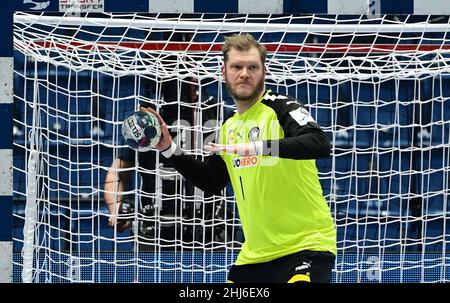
[
  {"x": 325, "y": 150},
  {"x": 325, "y": 146},
  {"x": 328, "y": 150}
]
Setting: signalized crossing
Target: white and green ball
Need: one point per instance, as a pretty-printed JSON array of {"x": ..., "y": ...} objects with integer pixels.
[{"x": 141, "y": 131}]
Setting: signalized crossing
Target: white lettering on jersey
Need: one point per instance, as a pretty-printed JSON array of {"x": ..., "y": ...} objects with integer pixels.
[
  {"x": 302, "y": 116},
  {"x": 274, "y": 97},
  {"x": 306, "y": 265}
]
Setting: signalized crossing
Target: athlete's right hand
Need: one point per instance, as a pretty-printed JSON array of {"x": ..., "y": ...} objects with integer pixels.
[{"x": 166, "y": 139}]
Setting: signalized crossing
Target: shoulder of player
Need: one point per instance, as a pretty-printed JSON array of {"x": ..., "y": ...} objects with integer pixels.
[
  {"x": 228, "y": 118},
  {"x": 280, "y": 102}
]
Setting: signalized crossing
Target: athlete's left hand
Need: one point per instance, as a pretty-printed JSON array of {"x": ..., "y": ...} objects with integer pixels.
[{"x": 243, "y": 149}]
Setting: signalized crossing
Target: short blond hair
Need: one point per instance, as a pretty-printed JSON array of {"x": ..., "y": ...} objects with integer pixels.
[{"x": 242, "y": 42}]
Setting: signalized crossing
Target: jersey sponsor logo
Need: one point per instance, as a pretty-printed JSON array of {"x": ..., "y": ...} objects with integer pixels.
[
  {"x": 302, "y": 116},
  {"x": 253, "y": 134},
  {"x": 239, "y": 135},
  {"x": 306, "y": 265},
  {"x": 244, "y": 162},
  {"x": 230, "y": 137}
]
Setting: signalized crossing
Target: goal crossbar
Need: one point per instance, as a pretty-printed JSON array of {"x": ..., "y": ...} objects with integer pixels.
[
  {"x": 217, "y": 47},
  {"x": 230, "y": 26}
]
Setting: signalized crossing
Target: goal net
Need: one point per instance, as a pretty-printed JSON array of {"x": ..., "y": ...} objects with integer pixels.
[{"x": 379, "y": 87}]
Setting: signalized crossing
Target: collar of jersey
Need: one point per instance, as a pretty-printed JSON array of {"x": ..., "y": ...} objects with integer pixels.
[{"x": 245, "y": 114}]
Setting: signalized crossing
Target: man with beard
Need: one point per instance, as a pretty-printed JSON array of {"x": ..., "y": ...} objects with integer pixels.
[{"x": 267, "y": 149}]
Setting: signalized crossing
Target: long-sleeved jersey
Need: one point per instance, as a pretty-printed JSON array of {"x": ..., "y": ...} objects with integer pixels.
[{"x": 279, "y": 197}]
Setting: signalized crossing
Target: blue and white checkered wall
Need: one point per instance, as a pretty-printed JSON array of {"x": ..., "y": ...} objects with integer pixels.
[
  {"x": 255, "y": 6},
  {"x": 315, "y": 7},
  {"x": 303, "y": 6},
  {"x": 6, "y": 92}
]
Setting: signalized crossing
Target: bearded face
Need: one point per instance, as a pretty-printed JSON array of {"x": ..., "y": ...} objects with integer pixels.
[{"x": 244, "y": 75}]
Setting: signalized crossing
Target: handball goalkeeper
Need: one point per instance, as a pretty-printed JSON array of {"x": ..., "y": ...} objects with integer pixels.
[{"x": 267, "y": 150}]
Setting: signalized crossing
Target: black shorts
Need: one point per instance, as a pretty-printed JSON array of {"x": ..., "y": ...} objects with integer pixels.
[{"x": 303, "y": 266}]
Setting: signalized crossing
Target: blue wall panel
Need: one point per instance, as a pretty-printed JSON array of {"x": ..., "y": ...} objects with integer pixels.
[
  {"x": 132, "y": 6},
  {"x": 5, "y": 218},
  {"x": 6, "y": 119},
  {"x": 208, "y": 6},
  {"x": 397, "y": 7},
  {"x": 305, "y": 7}
]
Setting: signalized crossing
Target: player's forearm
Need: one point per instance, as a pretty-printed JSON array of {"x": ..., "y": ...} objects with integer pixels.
[
  {"x": 116, "y": 182},
  {"x": 210, "y": 175},
  {"x": 313, "y": 144},
  {"x": 198, "y": 174},
  {"x": 113, "y": 192}
]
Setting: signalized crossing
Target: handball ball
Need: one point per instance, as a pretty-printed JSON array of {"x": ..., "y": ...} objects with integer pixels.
[{"x": 141, "y": 130}]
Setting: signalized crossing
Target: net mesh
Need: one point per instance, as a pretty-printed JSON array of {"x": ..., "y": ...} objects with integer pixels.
[{"x": 378, "y": 87}]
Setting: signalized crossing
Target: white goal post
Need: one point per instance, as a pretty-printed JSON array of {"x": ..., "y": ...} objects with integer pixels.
[{"x": 379, "y": 87}]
